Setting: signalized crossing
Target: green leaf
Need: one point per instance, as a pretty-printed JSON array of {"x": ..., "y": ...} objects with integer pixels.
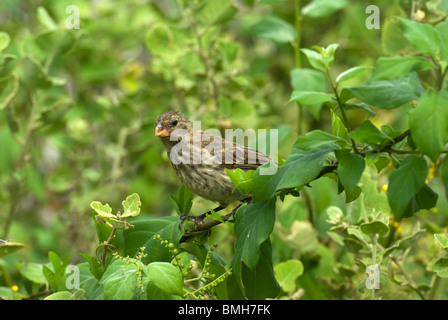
[
  {"x": 183, "y": 201},
  {"x": 317, "y": 139},
  {"x": 155, "y": 293},
  {"x": 166, "y": 277},
  {"x": 393, "y": 43},
  {"x": 429, "y": 124},
  {"x": 159, "y": 39},
  {"x": 361, "y": 105},
  {"x": 442, "y": 28},
  {"x": 287, "y": 272},
  {"x": 309, "y": 80},
  {"x": 375, "y": 227},
  {"x": 321, "y": 58},
  {"x": 323, "y": 8},
  {"x": 310, "y": 97},
  {"x": 389, "y": 94},
  {"x": 5, "y": 39},
  {"x": 93, "y": 291},
  {"x": 33, "y": 272},
  {"x": 62, "y": 295},
  {"x": 422, "y": 36},
  {"x": 445, "y": 175},
  {"x": 211, "y": 12},
  {"x": 350, "y": 169},
  {"x": 216, "y": 216},
  {"x": 258, "y": 283},
  {"x": 120, "y": 281},
  {"x": 96, "y": 268},
  {"x": 441, "y": 267},
  {"x": 242, "y": 180},
  {"x": 253, "y": 225},
  {"x": 442, "y": 240},
  {"x": 104, "y": 210},
  {"x": 368, "y": 133},
  {"x": 388, "y": 68},
  {"x": 302, "y": 166},
  {"x": 131, "y": 206},
  {"x": 10, "y": 247},
  {"x": 142, "y": 235},
  {"x": 55, "y": 260},
  {"x": 351, "y": 73},
  {"x": 405, "y": 182},
  {"x": 315, "y": 59},
  {"x": 352, "y": 195},
  {"x": 274, "y": 29},
  {"x": 338, "y": 127},
  {"x": 45, "y": 19},
  {"x": 425, "y": 198}
]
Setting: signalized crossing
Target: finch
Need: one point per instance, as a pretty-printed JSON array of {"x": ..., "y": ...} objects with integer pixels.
[{"x": 199, "y": 158}]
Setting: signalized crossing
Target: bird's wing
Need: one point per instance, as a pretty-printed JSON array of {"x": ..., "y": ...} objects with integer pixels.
[{"x": 233, "y": 155}]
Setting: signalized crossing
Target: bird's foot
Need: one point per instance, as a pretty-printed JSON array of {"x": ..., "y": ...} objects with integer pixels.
[{"x": 197, "y": 219}]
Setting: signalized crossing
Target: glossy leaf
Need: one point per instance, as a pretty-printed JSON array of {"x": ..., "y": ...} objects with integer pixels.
[
  {"x": 131, "y": 206},
  {"x": 323, "y": 8},
  {"x": 429, "y": 124},
  {"x": 368, "y": 133},
  {"x": 389, "y": 94},
  {"x": 405, "y": 182},
  {"x": 274, "y": 29},
  {"x": 351, "y": 73},
  {"x": 303, "y": 165},
  {"x": 287, "y": 272},
  {"x": 165, "y": 276},
  {"x": 310, "y": 97},
  {"x": 142, "y": 235},
  {"x": 422, "y": 36},
  {"x": 104, "y": 210},
  {"x": 350, "y": 169},
  {"x": 387, "y": 68}
]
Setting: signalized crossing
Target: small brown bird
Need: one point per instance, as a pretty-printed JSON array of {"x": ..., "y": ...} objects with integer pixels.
[{"x": 199, "y": 159}]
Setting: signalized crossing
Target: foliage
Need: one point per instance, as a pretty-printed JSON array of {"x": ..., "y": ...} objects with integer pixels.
[{"x": 362, "y": 124}]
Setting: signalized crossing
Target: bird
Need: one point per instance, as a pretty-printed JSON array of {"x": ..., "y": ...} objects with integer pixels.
[{"x": 199, "y": 159}]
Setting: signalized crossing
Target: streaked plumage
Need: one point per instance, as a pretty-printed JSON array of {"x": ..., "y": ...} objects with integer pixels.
[{"x": 207, "y": 178}]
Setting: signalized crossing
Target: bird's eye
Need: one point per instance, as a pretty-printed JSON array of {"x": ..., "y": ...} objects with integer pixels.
[{"x": 174, "y": 122}]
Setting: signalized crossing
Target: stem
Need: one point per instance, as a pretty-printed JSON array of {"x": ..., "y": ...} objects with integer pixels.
[
  {"x": 298, "y": 62},
  {"x": 298, "y": 17},
  {"x": 341, "y": 107},
  {"x": 411, "y": 283},
  {"x": 374, "y": 247},
  {"x": 435, "y": 282},
  {"x": 106, "y": 243},
  {"x": 38, "y": 294}
]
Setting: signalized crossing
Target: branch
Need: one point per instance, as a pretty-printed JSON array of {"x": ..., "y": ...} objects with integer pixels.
[{"x": 203, "y": 227}]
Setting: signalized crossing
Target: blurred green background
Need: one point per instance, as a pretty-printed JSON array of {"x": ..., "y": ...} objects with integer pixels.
[{"x": 81, "y": 103}]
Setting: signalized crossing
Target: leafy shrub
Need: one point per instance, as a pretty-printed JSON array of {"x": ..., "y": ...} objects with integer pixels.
[{"x": 364, "y": 182}]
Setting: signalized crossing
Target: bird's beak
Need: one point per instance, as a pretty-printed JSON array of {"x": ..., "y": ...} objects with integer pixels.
[{"x": 160, "y": 131}]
